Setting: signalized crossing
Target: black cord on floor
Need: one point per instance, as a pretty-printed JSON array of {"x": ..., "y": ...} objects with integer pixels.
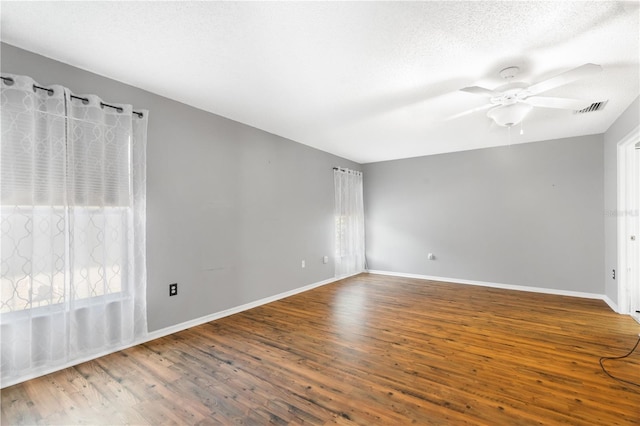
[{"x": 604, "y": 358}]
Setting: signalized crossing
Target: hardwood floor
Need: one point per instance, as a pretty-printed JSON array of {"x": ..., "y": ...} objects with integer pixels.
[{"x": 369, "y": 350}]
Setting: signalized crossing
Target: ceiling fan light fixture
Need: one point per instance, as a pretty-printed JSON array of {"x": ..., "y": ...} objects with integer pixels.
[{"x": 509, "y": 115}]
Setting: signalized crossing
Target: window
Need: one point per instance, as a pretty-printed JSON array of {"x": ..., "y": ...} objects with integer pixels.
[
  {"x": 72, "y": 212},
  {"x": 349, "y": 222},
  {"x": 65, "y": 203}
]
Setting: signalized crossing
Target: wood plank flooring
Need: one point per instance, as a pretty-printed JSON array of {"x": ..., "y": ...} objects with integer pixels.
[{"x": 369, "y": 350}]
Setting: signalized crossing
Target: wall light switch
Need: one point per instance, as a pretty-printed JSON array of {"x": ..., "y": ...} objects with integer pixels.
[
  {"x": 303, "y": 264},
  {"x": 325, "y": 259}
]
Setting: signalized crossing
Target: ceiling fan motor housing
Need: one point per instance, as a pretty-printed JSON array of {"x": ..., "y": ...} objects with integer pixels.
[{"x": 511, "y": 93}]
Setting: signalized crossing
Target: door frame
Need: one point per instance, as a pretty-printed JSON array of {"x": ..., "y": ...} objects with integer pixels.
[{"x": 627, "y": 223}]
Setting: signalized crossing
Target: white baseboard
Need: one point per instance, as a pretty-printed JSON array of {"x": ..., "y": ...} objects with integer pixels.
[
  {"x": 166, "y": 331},
  {"x": 221, "y": 314},
  {"x": 611, "y": 303},
  {"x": 580, "y": 294}
]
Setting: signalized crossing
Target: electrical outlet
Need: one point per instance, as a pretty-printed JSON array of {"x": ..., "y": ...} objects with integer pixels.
[{"x": 173, "y": 289}]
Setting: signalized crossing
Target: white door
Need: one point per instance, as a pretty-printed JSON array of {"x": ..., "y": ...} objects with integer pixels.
[
  {"x": 634, "y": 237},
  {"x": 629, "y": 224}
]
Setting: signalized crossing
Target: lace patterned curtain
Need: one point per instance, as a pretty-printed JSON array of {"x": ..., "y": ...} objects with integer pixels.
[
  {"x": 349, "y": 222},
  {"x": 72, "y": 197}
]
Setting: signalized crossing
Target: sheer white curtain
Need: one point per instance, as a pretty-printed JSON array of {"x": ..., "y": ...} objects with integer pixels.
[
  {"x": 349, "y": 222},
  {"x": 73, "y": 207}
]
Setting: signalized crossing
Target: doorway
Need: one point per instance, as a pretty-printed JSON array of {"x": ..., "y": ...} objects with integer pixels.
[{"x": 629, "y": 224}]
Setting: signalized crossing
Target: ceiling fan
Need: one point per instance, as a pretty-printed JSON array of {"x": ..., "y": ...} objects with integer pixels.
[{"x": 512, "y": 102}]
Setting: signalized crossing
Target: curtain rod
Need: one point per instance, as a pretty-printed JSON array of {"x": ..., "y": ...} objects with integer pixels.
[
  {"x": 9, "y": 81},
  {"x": 102, "y": 104},
  {"x": 347, "y": 170}
]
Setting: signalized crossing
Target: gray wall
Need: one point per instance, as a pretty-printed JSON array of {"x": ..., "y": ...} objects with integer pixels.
[
  {"x": 618, "y": 130},
  {"x": 528, "y": 215},
  {"x": 231, "y": 210}
]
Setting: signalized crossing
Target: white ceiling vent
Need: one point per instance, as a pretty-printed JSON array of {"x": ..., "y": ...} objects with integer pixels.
[{"x": 596, "y": 106}]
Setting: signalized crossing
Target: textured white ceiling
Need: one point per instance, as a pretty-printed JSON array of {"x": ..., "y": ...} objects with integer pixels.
[{"x": 368, "y": 81}]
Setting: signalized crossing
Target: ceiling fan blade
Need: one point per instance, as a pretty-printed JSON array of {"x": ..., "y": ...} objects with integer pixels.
[
  {"x": 468, "y": 112},
  {"x": 477, "y": 90},
  {"x": 562, "y": 103},
  {"x": 565, "y": 78}
]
